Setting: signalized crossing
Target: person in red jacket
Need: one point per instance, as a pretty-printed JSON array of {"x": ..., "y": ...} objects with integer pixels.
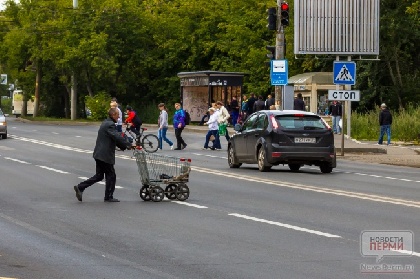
[{"x": 131, "y": 121}]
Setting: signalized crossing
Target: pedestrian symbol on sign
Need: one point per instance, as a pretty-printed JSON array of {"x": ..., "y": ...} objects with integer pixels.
[{"x": 344, "y": 75}]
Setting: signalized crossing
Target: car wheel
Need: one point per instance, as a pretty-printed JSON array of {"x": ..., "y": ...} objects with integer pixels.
[
  {"x": 262, "y": 161},
  {"x": 294, "y": 167},
  {"x": 326, "y": 168},
  {"x": 233, "y": 163}
]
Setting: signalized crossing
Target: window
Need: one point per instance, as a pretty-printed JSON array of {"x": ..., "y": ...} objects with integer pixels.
[
  {"x": 307, "y": 122},
  {"x": 249, "y": 123},
  {"x": 262, "y": 122}
]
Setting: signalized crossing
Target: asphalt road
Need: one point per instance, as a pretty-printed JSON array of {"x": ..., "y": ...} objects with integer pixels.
[{"x": 237, "y": 223}]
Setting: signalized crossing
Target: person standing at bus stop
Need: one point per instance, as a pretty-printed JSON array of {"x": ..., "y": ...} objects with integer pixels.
[
  {"x": 336, "y": 111},
  {"x": 385, "y": 121}
]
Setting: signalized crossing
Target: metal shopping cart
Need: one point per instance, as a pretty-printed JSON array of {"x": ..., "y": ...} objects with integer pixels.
[{"x": 156, "y": 170}]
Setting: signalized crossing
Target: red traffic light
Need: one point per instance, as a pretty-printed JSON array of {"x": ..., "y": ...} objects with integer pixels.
[{"x": 284, "y": 6}]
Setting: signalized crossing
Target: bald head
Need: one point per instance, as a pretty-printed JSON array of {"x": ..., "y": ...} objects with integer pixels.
[{"x": 113, "y": 114}]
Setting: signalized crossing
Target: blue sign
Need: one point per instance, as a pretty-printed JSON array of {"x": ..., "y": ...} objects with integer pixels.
[
  {"x": 279, "y": 72},
  {"x": 345, "y": 73}
]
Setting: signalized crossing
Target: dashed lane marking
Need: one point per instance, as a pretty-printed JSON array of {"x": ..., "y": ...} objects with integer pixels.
[
  {"x": 190, "y": 204},
  {"x": 350, "y": 194},
  {"x": 52, "y": 169},
  {"x": 211, "y": 156},
  {"x": 358, "y": 195},
  {"x": 296, "y": 228},
  {"x": 17, "y": 161},
  {"x": 101, "y": 182}
]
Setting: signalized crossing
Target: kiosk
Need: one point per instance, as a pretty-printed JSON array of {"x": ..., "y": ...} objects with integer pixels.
[{"x": 200, "y": 89}]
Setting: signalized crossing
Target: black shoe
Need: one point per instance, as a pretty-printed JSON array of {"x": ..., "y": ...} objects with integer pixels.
[
  {"x": 79, "y": 193},
  {"x": 111, "y": 200},
  {"x": 177, "y": 148},
  {"x": 185, "y": 146}
]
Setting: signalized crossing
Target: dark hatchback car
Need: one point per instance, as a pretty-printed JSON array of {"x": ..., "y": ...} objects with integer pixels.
[{"x": 272, "y": 137}]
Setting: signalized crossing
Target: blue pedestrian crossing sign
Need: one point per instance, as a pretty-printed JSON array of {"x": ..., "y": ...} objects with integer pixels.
[
  {"x": 279, "y": 72},
  {"x": 345, "y": 73}
]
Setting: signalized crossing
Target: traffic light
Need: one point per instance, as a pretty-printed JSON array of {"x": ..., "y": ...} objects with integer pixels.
[
  {"x": 284, "y": 13},
  {"x": 272, "y": 18},
  {"x": 272, "y": 50}
]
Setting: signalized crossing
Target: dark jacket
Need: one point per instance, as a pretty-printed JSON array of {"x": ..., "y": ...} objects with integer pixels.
[
  {"x": 385, "y": 117},
  {"x": 299, "y": 104},
  {"x": 234, "y": 106},
  {"x": 259, "y": 105},
  {"x": 336, "y": 110},
  {"x": 107, "y": 139},
  {"x": 251, "y": 102},
  {"x": 269, "y": 102}
]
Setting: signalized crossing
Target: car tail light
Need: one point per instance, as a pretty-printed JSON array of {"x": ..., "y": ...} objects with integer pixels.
[
  {"x": 275, "y": 124},
  {"x": 332, "y": 155},
  {"x": 298, "y": 115},
  {"x": 275, "y": 154}
]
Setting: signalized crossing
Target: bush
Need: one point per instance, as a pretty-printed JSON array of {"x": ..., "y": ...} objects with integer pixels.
[
  {"x": 6, "y": 106},
  {"x": 405, "y": 125},
  {"x": 98, "y": 105}
]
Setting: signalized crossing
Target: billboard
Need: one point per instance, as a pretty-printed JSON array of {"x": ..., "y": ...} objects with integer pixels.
[{"x": 340, "y": 27}]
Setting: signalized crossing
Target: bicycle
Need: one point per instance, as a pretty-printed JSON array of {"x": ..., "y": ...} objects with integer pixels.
[{"x": 149, "y": 142}]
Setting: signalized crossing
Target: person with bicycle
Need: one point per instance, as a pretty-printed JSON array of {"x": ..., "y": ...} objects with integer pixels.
[{"x": 133, "y": 121}]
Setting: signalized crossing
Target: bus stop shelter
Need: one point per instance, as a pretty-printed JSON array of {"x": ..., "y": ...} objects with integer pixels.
[
  {"x": 200, "y": 89},
  {"x": 314, "y": 88}
]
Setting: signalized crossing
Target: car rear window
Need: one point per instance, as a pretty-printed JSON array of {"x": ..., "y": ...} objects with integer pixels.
[{"x": 301, "y": 122}]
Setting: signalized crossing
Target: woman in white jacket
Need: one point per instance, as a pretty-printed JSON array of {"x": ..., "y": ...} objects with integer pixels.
[
  {"x": 223, "y": 116},
  {"x": 213, "y": 131}
]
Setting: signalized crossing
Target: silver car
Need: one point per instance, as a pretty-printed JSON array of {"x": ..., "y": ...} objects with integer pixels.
[{"x": 3, "y": 125}]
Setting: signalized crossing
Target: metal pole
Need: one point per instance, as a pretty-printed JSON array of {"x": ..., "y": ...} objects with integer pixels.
[
  {"x": 337, "y": 87},
  {"x": 279, "y": 55},
  {"x": 348, "y": 105},
  {"x": 73, "y": 94}
]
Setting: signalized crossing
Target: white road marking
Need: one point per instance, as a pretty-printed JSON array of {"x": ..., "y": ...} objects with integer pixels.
[
  {"x": 55, "y": 133},
  {"x": 296, "y": 228},
  {"x": 415, "y": 254},
  {"x": 16, "y": 160},
  {"x": 100, "y": 182},
  {"x": 52, "y": 169},
  {"x": 211, "y": 156},
  {"x": 330, "y": 191},
  {"x": 357, "y": 195},
  {"x": 190, "y": 204},
  {"x": 78, "y": 136}
]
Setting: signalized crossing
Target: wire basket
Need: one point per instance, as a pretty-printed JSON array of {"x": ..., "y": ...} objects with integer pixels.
[{"x": 159, "y": 168}]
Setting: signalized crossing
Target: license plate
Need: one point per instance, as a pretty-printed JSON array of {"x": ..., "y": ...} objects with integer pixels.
[{"x": 304, "y": 140}]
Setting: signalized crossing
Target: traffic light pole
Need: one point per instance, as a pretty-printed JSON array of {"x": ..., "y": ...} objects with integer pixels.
[{"x": 279, "y": 56}]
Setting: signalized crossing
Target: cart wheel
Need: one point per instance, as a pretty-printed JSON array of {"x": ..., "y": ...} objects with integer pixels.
[
  {"x": 144, "y": 193},
  {"x": 182, "y": 192},
  {"x": 170, "y": 191},
  {"x": 157, "y": 194}
]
